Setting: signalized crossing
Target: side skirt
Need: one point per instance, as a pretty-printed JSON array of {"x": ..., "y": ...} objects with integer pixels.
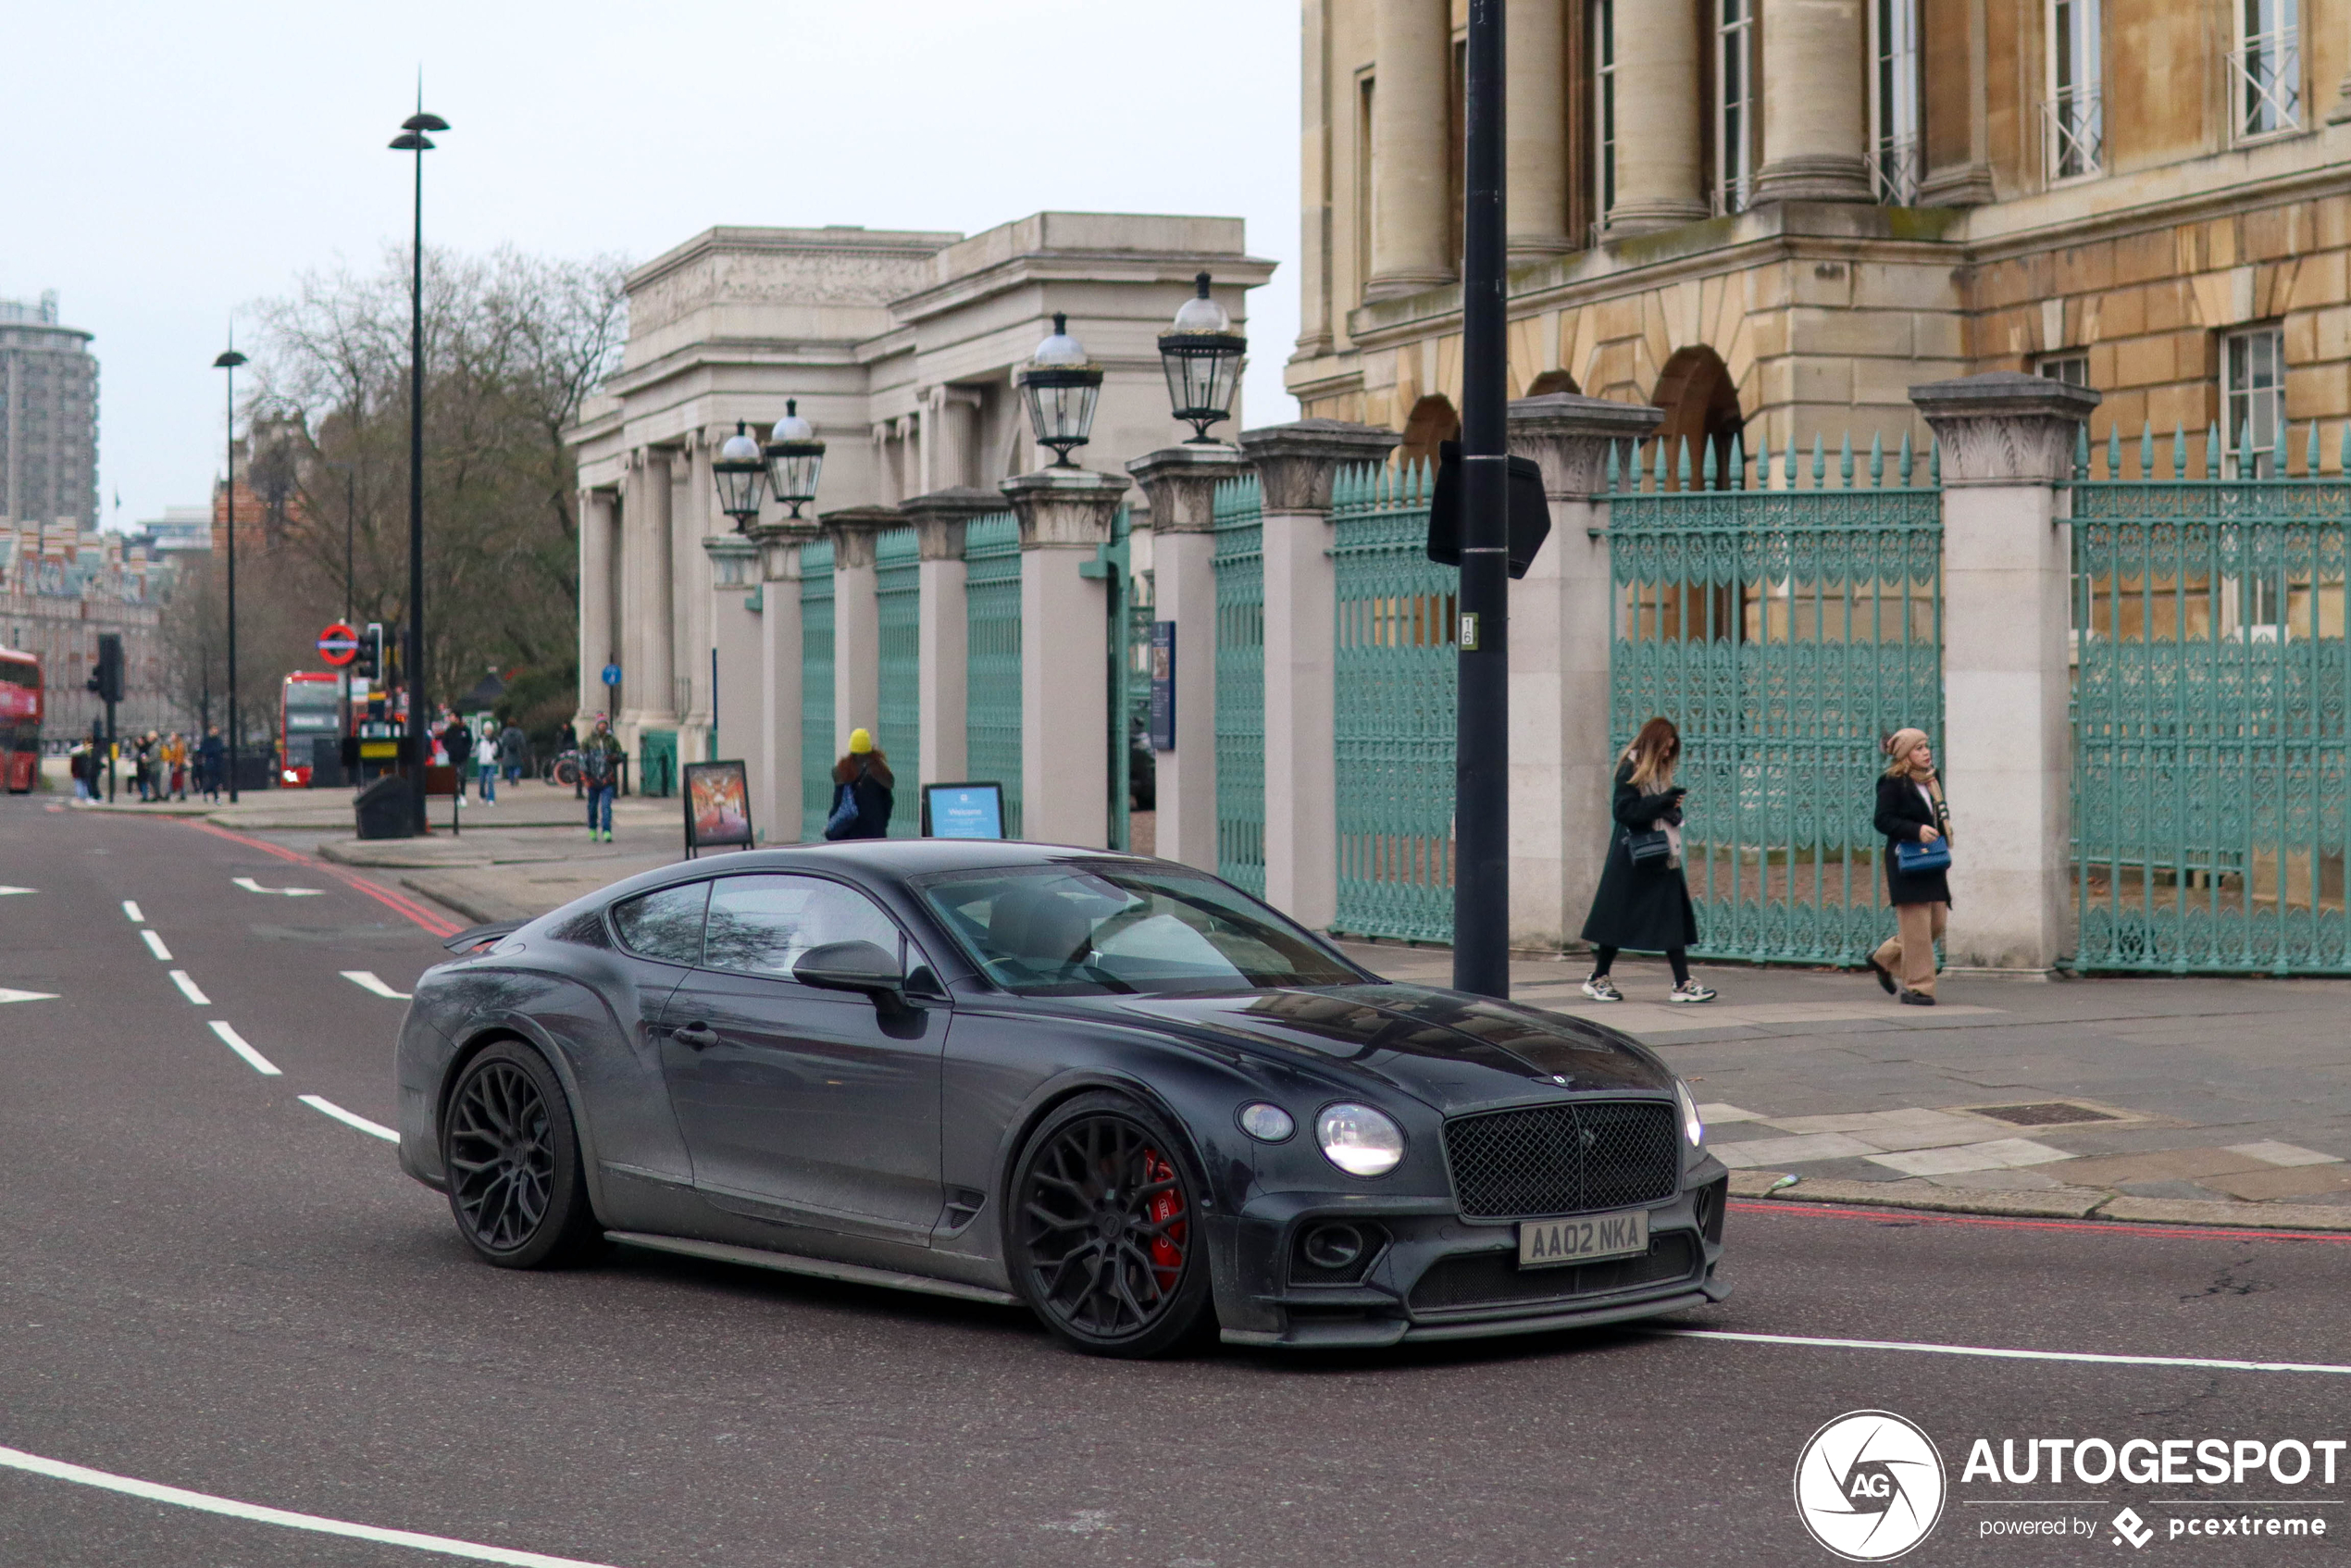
[{"x": 820, "y": 1268}]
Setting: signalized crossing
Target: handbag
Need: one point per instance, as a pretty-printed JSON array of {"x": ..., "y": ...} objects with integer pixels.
[
  {"x": 844, "y": 816},
  {"x": 1650, "y": 847},
  {"x": 1913, "y": 858}
]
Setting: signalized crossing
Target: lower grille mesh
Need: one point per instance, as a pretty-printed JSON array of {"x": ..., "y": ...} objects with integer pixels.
[
  {"x": 1563, "y": 1159},
  {"x": 1494, "y": 1279}
]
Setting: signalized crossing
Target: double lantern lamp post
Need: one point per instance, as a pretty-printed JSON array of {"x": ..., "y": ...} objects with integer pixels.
[{"x": 788, "y": 467}]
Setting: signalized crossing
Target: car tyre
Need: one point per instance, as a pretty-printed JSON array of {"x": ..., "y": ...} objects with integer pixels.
[
  {"x": 1103, "y": 1237},
  {"x": 516, "y": 1186}
]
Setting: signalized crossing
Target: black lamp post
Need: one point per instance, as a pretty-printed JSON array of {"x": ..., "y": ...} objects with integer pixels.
[
  {"x": 412, "y": 139},
  {"x": 1060, "y": 386},
  {"x": 795, "y": 459},
  {"x": 742, "y": 474},
  {"x": 1202, "y": 357},
  {"x": 229, "y": 361}
]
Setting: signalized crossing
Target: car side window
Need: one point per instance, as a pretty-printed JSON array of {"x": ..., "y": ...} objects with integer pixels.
[
  {"x": 762, "y": 924},
  {"x": 666, "y": 924}
]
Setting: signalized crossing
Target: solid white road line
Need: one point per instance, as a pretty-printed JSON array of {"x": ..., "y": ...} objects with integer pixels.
[
  {"x": 235, "y": 1043},
  {"x": 366, "y": 980},
  {"x": 57, "y": 1470},
  {"x": 154, "y": 945},
  {"x": 188, "y": 989},
  {"x": 131, "y": 907},
  {"x": 373, "y": 1129},
  {"x": 2204, "y": 1363},
  {"x": 249, "y": 885}
]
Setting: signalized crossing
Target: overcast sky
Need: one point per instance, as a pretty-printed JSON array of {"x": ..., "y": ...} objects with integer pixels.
[{"x": 171, "y": 163}]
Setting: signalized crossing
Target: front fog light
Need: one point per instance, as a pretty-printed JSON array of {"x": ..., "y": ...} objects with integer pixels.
[
  {"x": 1693, "y": 1125},
  {"x": 1360, "y": 1141}
]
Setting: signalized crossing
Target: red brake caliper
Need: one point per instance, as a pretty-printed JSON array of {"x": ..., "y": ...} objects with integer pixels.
[{"x": 1167, "y": 1248}]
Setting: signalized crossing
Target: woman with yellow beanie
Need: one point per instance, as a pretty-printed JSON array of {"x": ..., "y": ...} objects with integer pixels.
[
  {"x": 864, "y": 791},
  {"x": 1917, "y": 824}
]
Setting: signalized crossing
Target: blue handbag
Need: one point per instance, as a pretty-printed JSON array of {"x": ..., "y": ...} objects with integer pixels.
[
  {"x": 1910, "y": 859},
  {"x": 844, "y": 816}
]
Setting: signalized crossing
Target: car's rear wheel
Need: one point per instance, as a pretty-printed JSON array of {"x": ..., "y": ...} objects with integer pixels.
[
  {"x": 1104, "y": 1241},
  {"x": 516, "y": 1183}
]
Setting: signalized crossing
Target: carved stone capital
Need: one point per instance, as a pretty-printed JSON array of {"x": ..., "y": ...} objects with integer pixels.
[
  {"x": 2005, "y": 427},
  {"x": 939, "y": 518},
  {"x": 1295, "y": 462},
  {"x": 1568, "y": 437},
  {"x": 779, "y": 548},
  {"x": 852, "y": 529},
  {"x": 1063, "y": 508},
  {"x": 734, "y": 560},
  {"x": 1180, "y": 483}
]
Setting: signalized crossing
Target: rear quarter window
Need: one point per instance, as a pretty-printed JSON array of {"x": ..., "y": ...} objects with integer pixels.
[{"x": 664, "y": 924}]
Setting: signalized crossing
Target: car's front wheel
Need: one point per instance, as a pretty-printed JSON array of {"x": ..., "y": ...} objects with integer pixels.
[
  {"x": 1104, "y": 1241},
  {"x": 516, "y": 1183}
]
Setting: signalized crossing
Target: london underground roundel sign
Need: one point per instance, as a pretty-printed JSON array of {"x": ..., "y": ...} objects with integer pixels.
[{"x": 339, "y": 644}]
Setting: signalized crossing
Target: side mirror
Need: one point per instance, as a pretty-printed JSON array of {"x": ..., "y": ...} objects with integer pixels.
[{"x": 851, "y": 966}]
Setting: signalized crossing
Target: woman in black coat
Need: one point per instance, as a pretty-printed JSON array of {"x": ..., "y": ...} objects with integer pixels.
[
  {"x": 1646, "y": 907},
  {"x": 1911, "y": 810},
  {"x": 872, "y": 791}
]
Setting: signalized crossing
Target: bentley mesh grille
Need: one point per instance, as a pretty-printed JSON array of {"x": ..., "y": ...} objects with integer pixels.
[
  {"x": 1494, "y": 1279},
  {"x": 1563, "y": 1159}
]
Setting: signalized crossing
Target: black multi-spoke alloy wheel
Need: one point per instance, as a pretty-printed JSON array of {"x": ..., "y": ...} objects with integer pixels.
[
  {"x": 1103, "y": 1230},
  {"x": 513, "y": 1158}
]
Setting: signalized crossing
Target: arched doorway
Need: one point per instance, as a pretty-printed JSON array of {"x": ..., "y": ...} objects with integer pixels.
[
  {"x": 1551, "y": 382},
  {"x": 1431, "y": 421},
  {"x": 1701, "y": 406}
]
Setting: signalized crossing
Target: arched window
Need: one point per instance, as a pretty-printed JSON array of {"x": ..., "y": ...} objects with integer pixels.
[
  {"x": 1701, "y": 406},
  {"x": 1431, "y": 421},
  {"x": 1553, "y": 381}
]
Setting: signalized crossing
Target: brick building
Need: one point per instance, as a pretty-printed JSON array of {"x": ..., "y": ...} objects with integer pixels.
[{"x": 59, "y": 587}]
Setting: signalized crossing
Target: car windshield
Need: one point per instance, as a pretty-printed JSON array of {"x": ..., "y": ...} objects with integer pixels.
[{"x": 1114, "y": 929}]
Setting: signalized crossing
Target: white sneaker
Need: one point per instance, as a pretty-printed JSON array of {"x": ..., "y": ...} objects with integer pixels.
[
  {"x": 1599, "y": 988},
  {"x": 1690, "y": 990}
]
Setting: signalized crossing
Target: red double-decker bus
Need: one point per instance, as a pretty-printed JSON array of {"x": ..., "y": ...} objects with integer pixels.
[
  {"x": 20, "y": 719},
  {"x": 309, "y": 708}
]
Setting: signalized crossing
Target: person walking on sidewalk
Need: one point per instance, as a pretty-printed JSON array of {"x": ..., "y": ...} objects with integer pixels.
[
  {"x": 513, "y": 751},
  {"x": 863, "y": 794},
  {"x": 457, "y": 744},
  {"x": 600, "y": 772},
  {"x": 212, "y": 761},
  {"x": 1643, "y": 899},
  {"x": 486, "y": 762},
  {"x": 1911, "y": 810}
]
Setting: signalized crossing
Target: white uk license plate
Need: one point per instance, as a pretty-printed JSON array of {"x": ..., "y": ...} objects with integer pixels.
[{"x": 1545, "y": 1243}]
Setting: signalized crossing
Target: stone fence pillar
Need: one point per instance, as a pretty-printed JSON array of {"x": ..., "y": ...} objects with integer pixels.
[
  {"x": 735, "y": 694},
  {"x": 776, "y": 765},
  {"x": 1180, "y": 482},
  {"x": 1295, "y": 466},
  {"x": 856, "y": 619},
  {"x": 943, "y": 641},
  {"x": 2006, "y": 750},
  {"x": 1562, "y": 768},
  {"x": 1064, "y": 652}
]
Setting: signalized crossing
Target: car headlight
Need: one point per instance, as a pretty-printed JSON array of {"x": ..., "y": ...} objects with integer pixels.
[
  {"x": 1267, "y": 1124},
  {"x": 1358, "y": 1139},
  {"x": 1693, "y": 1125}
]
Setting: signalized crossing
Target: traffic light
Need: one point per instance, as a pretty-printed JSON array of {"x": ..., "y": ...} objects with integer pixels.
[
  {"x": 107, "y": 680},
  {"x": 368, "y": 665}
]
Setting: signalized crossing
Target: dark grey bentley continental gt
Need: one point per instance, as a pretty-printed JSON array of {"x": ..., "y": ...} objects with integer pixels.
[{"x": 1113, "y": 1089}]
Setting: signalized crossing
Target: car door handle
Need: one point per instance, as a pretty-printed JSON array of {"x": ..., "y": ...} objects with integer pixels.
[{"x": 696, "y": 1033}]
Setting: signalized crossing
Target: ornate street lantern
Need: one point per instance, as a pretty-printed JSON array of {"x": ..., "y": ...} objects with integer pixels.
[
  {"x": 795, "y": 458},
  {"x": 1202, "y": 357},
  {"x": 1060, "y": 386},
  {"x": 741, "y": 477}
]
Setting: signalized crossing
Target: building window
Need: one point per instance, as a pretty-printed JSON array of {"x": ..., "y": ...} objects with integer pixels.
[
  {"x": 2075, "y": 110},
  {"x": 2253, "y": 399},
  {"x": 2268, "y": 66},
  {"x": 1733, "y": 105},
  {"x": 1894, "y": 101},
  {"x": 2074, "y": 369},
  {"x": 1604, "y": 104},
  {"x": 1362, "y": 188}
]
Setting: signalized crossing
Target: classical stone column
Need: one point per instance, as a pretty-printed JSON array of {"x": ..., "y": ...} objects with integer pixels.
[
  {"x": 648, "y": 689},
  {"x": 1561, "y": 767},
  {"x": 2006, "y": 750},
  {"x": 776, "y": 776},
  {"x": 1180, "y": 482},
  {"x": 735, "y": 694},
  {"x": 1535, "y": 96},
  {"x": 1411, "y": 132},
  {"x": 943, "y": 646},
  {"x": 599, "y": 511},
  {"x": 1294, "y": 465},
  {"x": 1064, "y": 652},
  {"x": 856, "y": 619},
  {"x": 1815, "y": 107},
  {"x": 694, "y": 517},
  {"x": 1660, "y": 177}
]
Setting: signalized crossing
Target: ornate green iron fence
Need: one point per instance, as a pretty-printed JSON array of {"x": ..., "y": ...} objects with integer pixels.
[
  {"x": 991, "y": 650},
  {"x": 898, "y": 605},
  {"x": 1786, "y": 628},
  {"x": 815, "y": 687},
  {"x": 1240, "y": 684},
  {"x": 1130, "y": 681},
  {"x": 1394, "y": 672},
  {"x": 2210, "y": 738}
]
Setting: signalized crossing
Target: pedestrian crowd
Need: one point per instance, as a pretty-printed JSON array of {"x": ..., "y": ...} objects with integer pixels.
[{"x": 160, "y": 766}]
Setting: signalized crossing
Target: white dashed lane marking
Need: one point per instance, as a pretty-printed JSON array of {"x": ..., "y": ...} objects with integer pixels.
[
  {"x": 7, "y": 996},
  {"x": 131, "y": 907},
  {"x": 5, "y": 891},
  {"x": 236, "y": 1042},
  {"x": 154, "y": 945},
  {"x": 373, "y": 1129},
  {"x": 366, "y": 980},
  {"x": 249, "y": 885},
  {"x": 188, "y": 989}
]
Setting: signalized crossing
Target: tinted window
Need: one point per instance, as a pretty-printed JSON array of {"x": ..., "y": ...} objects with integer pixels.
[
  {"x": 762, "y": 924},
  {"x": 1074, "y": 931},
  {"x": 665, "y": 925}
]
